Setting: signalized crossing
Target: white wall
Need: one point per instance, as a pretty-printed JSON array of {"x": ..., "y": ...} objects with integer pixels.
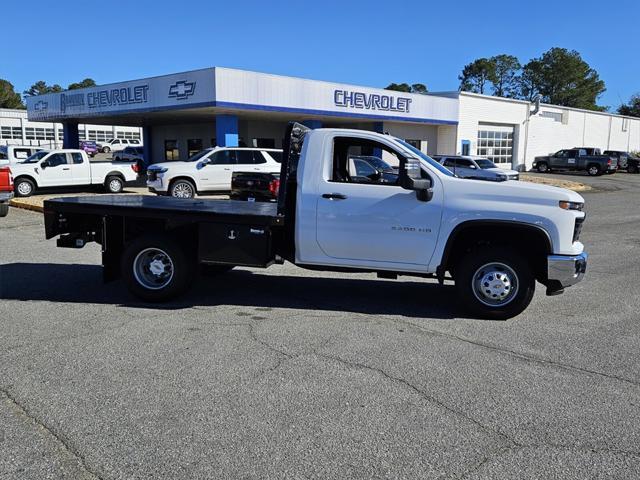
[{"x": 428, "y": 133}]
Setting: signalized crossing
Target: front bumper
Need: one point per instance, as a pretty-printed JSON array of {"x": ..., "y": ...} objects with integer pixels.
[{"x": 564, "y": 271}]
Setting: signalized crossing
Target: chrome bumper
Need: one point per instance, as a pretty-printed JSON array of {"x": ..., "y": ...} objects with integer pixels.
[{"x": 565, "y": 270}]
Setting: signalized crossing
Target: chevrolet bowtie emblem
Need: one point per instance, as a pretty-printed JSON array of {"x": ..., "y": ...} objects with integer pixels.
[
  {"x": 41, "y": 105},
  {"x": 182, "y": 89}
]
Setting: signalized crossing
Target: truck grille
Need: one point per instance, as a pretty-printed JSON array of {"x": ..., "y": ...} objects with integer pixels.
[
  {"x": 577, "y": 228},
  {"x": 152, "y": 175}
]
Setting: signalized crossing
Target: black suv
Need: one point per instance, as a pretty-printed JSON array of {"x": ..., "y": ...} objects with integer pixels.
[{"x": 626, "y": 160}]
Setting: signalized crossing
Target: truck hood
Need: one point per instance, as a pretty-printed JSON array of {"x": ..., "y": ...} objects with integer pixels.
[{"x": 516, "y": 192}]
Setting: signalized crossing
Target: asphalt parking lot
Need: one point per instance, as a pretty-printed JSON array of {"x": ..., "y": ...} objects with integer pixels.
[{"x": 287, "y": 373}]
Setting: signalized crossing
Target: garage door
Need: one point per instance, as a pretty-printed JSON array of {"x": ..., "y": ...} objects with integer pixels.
[{"x": 495, "y": 142}]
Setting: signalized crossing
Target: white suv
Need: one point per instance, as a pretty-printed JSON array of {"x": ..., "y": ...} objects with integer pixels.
[
  {"x": 117, "y": 144},
  {"x": 210, "y": 170}
]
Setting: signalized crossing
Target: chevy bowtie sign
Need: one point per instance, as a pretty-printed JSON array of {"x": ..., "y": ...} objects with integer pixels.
[
  {"x": 371, "y": 101},
  {"x": 182, "y": 90}
]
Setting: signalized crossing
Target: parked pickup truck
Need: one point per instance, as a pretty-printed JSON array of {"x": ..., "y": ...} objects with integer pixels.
[
  {"x": 576, "y": 159},
  {"x": 493, "y": 239},
  {"x": 62, "y": 168},
  {"x": 6, "y": 190}
]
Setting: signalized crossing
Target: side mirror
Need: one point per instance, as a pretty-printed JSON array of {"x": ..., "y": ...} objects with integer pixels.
[
  {"x": 411, "y": 179},
  {"x": 45, "y": 164}
]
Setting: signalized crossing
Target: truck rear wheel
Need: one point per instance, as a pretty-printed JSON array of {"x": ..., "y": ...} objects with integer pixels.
[
  {"x": 593, "y": 170},
  {"x": 4, "y": 209},
  {"x": 156, "y": 268},
  {"x": 494, "y": 283},
  {"x": 113, "y": 184}
]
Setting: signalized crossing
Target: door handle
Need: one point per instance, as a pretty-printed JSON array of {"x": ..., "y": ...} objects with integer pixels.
[
  {"x": 227, "y": 169},
  {"x": 334, "y": 196},
  {"x": 66, "y": 168}
]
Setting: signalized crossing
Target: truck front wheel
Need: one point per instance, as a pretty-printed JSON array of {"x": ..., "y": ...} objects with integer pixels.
[
  {"x": 182, "y": 189},
  {"x": 494, "y": 283},
  {"x": 543, "y": 167},
  {"x": 23, "y": 187},
  {"x": 156, "y": 268}
]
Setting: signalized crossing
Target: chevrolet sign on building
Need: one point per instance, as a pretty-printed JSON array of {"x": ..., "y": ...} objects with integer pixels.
[{"x": 186, "y": 112}]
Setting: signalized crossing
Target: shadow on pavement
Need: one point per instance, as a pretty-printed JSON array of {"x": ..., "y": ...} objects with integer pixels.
[{"x": 77, "y": 283}]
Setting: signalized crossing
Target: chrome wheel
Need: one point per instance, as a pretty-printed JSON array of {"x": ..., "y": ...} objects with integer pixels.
[
  {"x": 153, "y": 268},
  {"x": 495, "y": 284},
  {"x": 182, "y": 190},
  {"x": 24, "y": 189},
  {"x": 593, "y": 170},
  {"x": 115, "y": 186}
]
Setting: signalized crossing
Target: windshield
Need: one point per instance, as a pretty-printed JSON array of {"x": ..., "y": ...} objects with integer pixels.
[
  {"x": 198, "y": 155},
  {"x": 485, "y": 163},
  {"x": 36, "y": 157},
  {"x": 426, "y": 158}
]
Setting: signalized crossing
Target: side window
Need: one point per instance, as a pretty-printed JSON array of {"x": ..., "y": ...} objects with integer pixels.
[
  {"x": 359, "y": 160},
  {"x": 258, "y": 157},
  {"x": 76, "y": 158},
  {"x": 449, "y": 162},
  {"x": 57, "y": 159},
  {"x": 277, "y": 156},
  {"x": 224, "y": 157},
  {"x": 582, "y": 152},
  {"x": 464, "y": 163},
  {"x": 244, "y": 157},
  {"x": 22, "y": 153}
]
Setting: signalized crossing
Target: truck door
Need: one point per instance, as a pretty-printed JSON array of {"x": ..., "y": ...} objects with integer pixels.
[
  {"x": 371, "y": 222},
  {"x": 572, "y": 159},
  {"x": 80, "y": 169},
  {"x": 216, "y": 173},
  {"x": 55, "y": 171}
]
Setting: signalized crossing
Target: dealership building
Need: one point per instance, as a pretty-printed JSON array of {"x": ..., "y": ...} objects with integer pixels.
[{"x": 179, "y": 114}]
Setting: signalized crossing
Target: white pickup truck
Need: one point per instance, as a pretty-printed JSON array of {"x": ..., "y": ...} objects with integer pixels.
[
  {"x": 66, "y": 168},
  {"x": 494, "y": 239}
]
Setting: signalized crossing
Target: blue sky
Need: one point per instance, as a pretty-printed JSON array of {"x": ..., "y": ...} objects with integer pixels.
[{"x": 366, "y": 43}]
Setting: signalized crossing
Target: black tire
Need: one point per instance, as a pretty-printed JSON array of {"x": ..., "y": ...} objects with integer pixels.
[
  {"x": 215, "y": 270},
  {"x": 182, "y": 189},
  {"x": 116, "y": 159},
  {"x": 632, "y": 168},
  {"x": 114, "y": 184},
  {"x": 543, "y": 167},
  {"x": 23, "y": 187},
  {"x": 476, "y": 270},
  {"x": 173, "y": 268},
  {"x": 106, "y": 149},
  {"x": 4, "y": 209},
  {"x": 594, "y": 170}
]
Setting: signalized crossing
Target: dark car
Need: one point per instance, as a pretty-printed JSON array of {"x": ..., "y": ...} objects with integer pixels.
[
  {"x": 626, "y": 160},
  {"x": 576, "y": 159},
  {"x": 255, "y": 186},
  {"x": 91, "y": 148}
]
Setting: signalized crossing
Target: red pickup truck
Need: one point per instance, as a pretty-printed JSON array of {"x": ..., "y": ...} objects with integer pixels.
[{"x": 6, "y": 190}]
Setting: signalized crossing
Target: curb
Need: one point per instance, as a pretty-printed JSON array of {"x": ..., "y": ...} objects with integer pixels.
[{"x": 25, "y": 205}]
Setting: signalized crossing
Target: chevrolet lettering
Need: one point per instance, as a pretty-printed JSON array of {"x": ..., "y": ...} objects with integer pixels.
[{"x": 371, "y": 101}]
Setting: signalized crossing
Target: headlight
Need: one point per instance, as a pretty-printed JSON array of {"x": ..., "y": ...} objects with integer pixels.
[
  {"x": 158, "y": 170},
  {"x": 571, "y": 205}
]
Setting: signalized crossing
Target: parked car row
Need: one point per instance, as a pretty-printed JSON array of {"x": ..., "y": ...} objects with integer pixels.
[{"x": 117, "y": 144}]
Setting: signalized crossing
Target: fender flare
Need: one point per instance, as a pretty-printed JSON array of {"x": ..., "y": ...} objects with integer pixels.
[
  {"x": 26, "y": 175},
  {"x": 470, "y": 224}
]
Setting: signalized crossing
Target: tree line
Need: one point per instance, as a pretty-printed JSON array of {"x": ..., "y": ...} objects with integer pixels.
[
  {"x": 9, "y": 98},
  {"x": 559, "y": 77}
]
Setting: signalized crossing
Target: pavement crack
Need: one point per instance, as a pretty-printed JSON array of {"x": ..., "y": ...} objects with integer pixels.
[
  {"x": 423, "y": 394},
  {"x": 58, "y": 438},
  {"x": 522, "y": 356}
]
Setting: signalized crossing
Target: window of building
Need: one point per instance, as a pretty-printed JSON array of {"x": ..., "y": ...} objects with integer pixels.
[
  {"x": 495, "y": 142},
  {"x": 128, "y": 135},
  {"x": 264, "y": 142},
  {"x": 194, "y": 145},
  {"x": 171, "y": 151},
  {"x": 30, "y": 133},
  {"x": 10, "y": 133}
]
